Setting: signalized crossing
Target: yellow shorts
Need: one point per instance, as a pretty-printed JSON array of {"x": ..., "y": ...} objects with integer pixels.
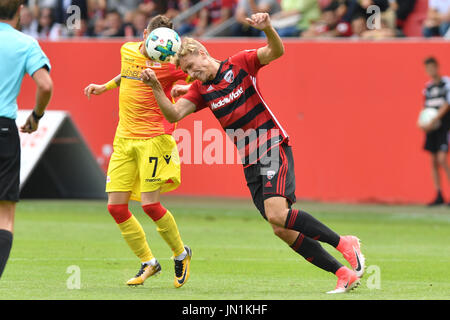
[{"x": 144, "y": 166}]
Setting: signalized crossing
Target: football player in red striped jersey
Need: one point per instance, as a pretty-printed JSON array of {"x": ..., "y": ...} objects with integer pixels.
[{"x": 230, "y": 90}]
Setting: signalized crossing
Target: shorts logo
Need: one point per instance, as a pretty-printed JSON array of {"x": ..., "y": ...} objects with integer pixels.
[
  {"x": 108, "y": 179},
  {"x": 229, "y": 76},
  {"x": 270, "y": 174},
  {"x": 167, "y": 158}
]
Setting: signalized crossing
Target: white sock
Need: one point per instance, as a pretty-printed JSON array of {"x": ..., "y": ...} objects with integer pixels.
[
  {"x": 151, "y": 262},
  {"x": 181, "y": 256}
]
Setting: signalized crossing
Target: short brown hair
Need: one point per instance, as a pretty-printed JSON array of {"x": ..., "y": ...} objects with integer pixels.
[
  {"x": 8, "y": 8},
  {"x": 159, "y": 21},
  {"x": 430, "y": 60}
]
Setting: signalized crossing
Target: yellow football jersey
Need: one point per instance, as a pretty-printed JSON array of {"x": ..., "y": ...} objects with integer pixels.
[{"x": 139, "y": 114}]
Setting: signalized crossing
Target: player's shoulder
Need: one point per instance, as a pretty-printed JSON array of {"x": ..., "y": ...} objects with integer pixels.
[
  {"x": 446, "y": 81},
  {"x": 22, "y": 39},
  {"x": 130, "y": 45},
  {"x": 429, "y": 84},
  {"x": 243, "y": 54}
]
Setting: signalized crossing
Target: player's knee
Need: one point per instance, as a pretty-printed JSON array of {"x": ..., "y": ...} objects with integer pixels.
[
  {"x": 280, "y": 232},
  {"x": 275, "y": 216},
  {"x": 119, "y": 212},
  {"x": 154, "y": 210},
  {"x": 442, "y": 160}
]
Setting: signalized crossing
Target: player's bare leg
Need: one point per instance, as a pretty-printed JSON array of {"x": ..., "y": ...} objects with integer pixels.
[
  {"x": 7, "y": 210},
  {"x": 308, "y": 231},
  {"x": 435, "y": 160},
  {"x": 167, "y": 228},
  {"x": 134, "y": 235},
  {"x": 442, "y": 162}
]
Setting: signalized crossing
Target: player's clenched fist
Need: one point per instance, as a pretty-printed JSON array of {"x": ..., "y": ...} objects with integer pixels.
[
  {"x": 96, "y": 89},
  {"x": 148, "y": 76},
  {"x": 259, "y": 21},
  {"x": 179, "y": 90}
]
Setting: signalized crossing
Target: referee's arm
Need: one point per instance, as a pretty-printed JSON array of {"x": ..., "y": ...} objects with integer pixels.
[{"x": 44, "y": 91}]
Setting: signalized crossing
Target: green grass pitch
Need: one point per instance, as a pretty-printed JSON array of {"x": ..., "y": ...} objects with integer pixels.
[{"x": 235, "y": 254}]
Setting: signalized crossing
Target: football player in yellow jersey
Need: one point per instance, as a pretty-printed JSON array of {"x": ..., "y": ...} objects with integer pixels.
[{"x": 145, "y": 161}]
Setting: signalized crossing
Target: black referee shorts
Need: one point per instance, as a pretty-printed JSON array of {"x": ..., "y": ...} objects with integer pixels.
[
  {"x": 266, "y": 179},
  {"x": 9, "y": 160}
]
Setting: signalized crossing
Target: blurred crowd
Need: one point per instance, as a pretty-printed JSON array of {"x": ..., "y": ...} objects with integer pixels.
[{"x": 367, "y": 19}]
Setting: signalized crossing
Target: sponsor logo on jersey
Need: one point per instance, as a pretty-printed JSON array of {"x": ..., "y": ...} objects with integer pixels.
[
  {"x": 230, "y": 98},
  {"x": 153, "y": 64}
]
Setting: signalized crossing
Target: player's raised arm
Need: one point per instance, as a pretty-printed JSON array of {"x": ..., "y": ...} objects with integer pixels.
[
  {"x": 98, "y": 89},
  {"x": 172, "y": 112},
  {"x": 274, "y": 48}
]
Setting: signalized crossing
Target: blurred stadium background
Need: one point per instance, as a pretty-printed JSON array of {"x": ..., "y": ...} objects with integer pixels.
[{"x": 348, "y": 96}]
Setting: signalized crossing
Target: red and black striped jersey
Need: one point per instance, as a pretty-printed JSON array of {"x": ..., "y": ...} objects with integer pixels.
[{"x": 235, "y": 99}]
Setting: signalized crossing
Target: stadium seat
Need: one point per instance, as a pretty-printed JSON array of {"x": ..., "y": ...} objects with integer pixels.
[{"x": 413, "y": 24}]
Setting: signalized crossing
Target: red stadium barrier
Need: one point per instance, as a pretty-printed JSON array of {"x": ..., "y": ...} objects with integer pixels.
[{"x": 350, "y": 109}]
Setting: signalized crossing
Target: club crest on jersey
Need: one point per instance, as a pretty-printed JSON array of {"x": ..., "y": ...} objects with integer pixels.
[
  {"x": 229, "y": 76},
  {"x": 270, "y": 174}
]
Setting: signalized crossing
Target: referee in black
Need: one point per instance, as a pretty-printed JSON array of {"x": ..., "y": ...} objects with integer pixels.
[
  {"x": 19, "y": 54},
  {"x": 437, "y": 96}
]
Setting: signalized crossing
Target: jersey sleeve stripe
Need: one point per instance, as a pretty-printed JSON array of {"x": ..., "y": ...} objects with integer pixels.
[{"x": 273, "y": 116}]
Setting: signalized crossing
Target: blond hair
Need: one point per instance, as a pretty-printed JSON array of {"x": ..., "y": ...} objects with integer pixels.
[{"x": 189, "y": 46}]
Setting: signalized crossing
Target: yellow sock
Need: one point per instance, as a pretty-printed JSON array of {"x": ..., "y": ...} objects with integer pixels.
[
  {"x": 134, "y": 235},
  {"x": 167, "y": 228}
]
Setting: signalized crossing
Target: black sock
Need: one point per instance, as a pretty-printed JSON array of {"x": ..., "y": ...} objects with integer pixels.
[
  {"x": 313, "y": 252},
  {"x": 6, "y": 239},
  {"x": 305, "y": 223}
]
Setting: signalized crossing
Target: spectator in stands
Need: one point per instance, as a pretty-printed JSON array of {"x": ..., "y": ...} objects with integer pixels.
[
  {"x": 47, "y": 28},
  {"x": 437, "y": 22},
  {"x": 295, "y": 17},
  {"x": 172, "y": 8},
  {"x": 81, "y": 30},
  {"x": 386, "y": 31},
  {"x": 113, "y": 25},
  {"x": 139, "y": 22},
  {"x": 359, "y": 25},
  {"x": 61, "y": 8},
  {"x": 403, "y": 9},
  {"x": 97, "y": 28},
  {"x": 28, "y": 23},
  {"x": 216, "y": 13},
  {"x": 188, "y": 25},
  {"x": 125, "y": 8},
  {"x": 169, "y": 8},
  {"x": 245, "y": 8},
  {"x": 330, "y": 24},
  {"x": 360, "y": 7}
]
